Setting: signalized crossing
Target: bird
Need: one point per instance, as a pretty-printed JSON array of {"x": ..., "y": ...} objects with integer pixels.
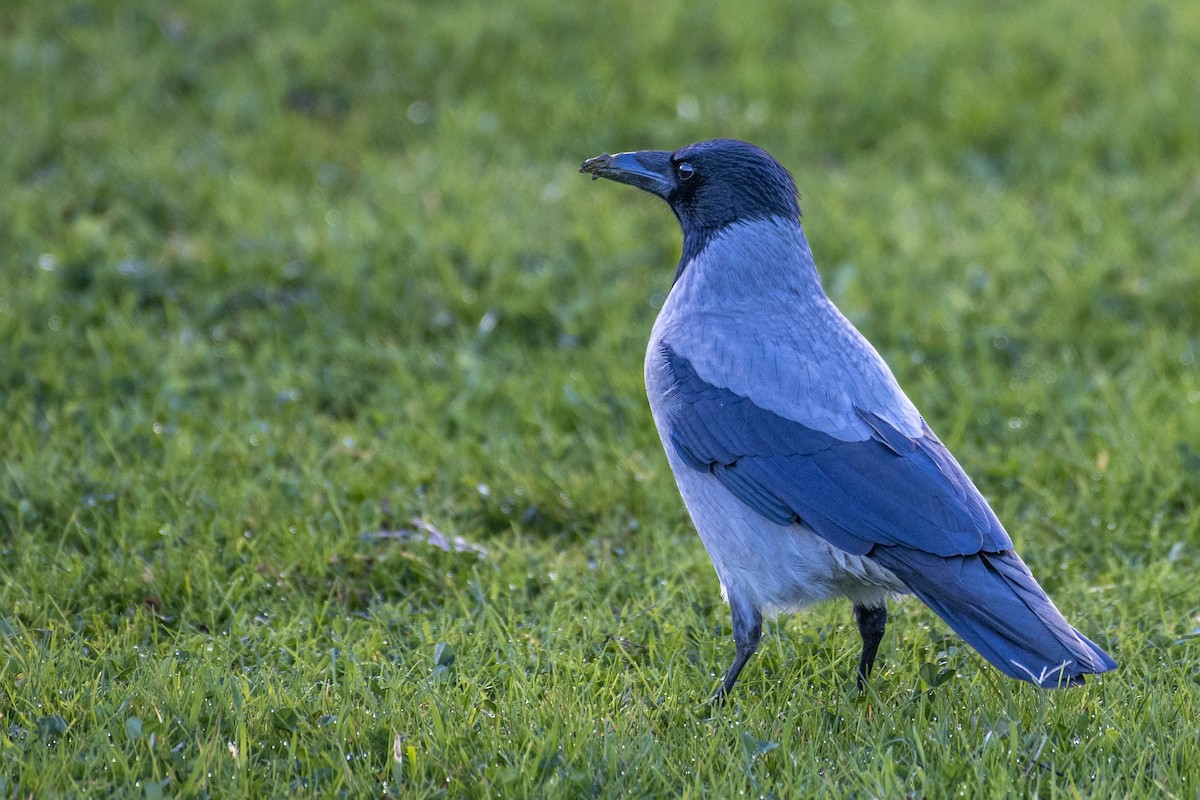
[{"x": 808, "y": 473}]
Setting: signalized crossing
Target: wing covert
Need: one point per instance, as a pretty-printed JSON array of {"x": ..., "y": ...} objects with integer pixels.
[{"x": 890, "y": 489}]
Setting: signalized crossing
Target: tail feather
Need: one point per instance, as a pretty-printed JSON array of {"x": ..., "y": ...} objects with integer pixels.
[{"x": 993, "y": 602}]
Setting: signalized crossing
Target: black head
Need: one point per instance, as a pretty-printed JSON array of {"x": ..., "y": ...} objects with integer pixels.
[{"x": 708, "y": 184}]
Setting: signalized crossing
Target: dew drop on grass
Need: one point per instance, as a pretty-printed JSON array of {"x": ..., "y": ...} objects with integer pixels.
[
  {"x": 418, "y": 112},
  {"x": 688, "y": 108},
  {"x": 553, "y": 192}
]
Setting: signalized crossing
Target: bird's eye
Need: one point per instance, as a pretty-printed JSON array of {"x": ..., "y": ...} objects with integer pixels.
[{"x": 685, "y": 171}]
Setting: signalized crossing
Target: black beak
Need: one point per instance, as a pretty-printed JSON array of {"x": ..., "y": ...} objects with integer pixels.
[{"x": 649, "y": 170}]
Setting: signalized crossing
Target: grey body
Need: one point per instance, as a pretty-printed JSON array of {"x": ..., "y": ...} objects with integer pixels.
[{"x": 816, "y": 367}]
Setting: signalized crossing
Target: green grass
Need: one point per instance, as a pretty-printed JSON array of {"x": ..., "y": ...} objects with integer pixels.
[{"x": 277, "y": 275}]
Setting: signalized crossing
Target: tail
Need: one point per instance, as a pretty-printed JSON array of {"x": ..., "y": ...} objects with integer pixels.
[{"x": 993, "y": 602}]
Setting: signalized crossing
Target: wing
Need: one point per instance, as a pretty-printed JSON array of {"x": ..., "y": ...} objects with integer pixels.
[{"x": 890, "y": 489}]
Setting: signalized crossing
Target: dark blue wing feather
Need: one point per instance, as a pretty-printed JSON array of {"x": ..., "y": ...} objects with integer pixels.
[
  {"x": 890, "y": 489},
  {"x": 993, "y": 602}
]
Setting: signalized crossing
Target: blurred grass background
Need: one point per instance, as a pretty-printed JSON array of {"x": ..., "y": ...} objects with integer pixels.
[{"x": 277, "y": 275}]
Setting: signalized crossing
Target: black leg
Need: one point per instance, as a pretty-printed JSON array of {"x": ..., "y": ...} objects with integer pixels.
[
  {"x": 747, "y": 630},
  {"x": 871, "y": 622}
]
